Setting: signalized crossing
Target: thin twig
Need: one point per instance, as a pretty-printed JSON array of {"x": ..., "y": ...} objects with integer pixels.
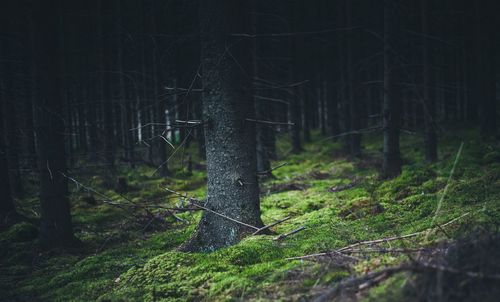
[
  {"x": 270, "y": 225},
  {"x": 195, "y": 202},
  {"x": 282, "y": 236},
  {"x": 272, "y": 169},
  {"x": 269, "y": 122},
  {"x": 368, "y": 242}
]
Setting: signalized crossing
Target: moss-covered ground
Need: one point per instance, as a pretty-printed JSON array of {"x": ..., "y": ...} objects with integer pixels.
[{"x": 128, "y": 256}]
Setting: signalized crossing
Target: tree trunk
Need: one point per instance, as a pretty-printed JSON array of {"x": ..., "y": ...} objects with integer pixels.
[
  {"x": 485, "y": 66},
  {"x": 55, "y": 226},
  {"x": 233, "y": 188},
  {"x": 105, "y": 95},
  {"x": 6, "y": 203},
  {"x": 263, "y": 163},
  {"x": 391, "y": 165},
  {"x": 353, "y": 101},
  {"x": 428, "y": 102}
]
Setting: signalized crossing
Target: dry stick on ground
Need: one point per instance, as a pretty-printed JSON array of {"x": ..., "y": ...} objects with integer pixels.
[
  {"x": 270, "y": 225},
  {"x": 282, "y": 236},
  {"x": 272, "y": 169},
  {"x": 383, "y": 240},
  {"x": 373, "y": 278},
  {"x": 440, "y": 202},
  {"x": 108, "y": 200},
  {"x": 196, "y": 202}
]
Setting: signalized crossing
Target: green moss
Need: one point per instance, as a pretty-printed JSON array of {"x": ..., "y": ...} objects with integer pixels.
[
  {"x": 20, "y": 232},
  {"x": 124, "y": 262}
]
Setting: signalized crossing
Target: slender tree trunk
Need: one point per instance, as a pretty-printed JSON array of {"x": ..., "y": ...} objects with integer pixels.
[
  {"x": 7, "y": 208},
  {"x": 485, "y": 66},
  {"x": 429, "y": 101},
  {"x": 12, "y": 134},
  {"x": 353, "y": 102},
  {"x": 233, "y": 188},
  {"x": 295, "y": 108},
  {"x": 55, "y": 226},
  {"x": 391, "y": 165},
  {"x": 263, "y": 163},
  {"x": 105, "y": 94}
]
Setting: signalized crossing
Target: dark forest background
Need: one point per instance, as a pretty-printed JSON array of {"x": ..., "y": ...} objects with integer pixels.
[{"x": 105, "y": 87}]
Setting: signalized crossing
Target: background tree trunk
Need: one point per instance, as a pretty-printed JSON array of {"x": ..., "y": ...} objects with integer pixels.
[
  {"x": 55, "y": 226},
  {"x": 391, "y": 165},
  {"x": 428, "y": 101}
]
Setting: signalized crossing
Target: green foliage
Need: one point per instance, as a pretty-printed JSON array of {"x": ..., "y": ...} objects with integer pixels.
[
  {"x": 20, "y": 232},
  {"x": 123, "y": 262}
]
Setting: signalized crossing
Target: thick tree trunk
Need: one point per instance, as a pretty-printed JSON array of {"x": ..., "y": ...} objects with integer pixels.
[
  {"x": 55, "y": 227},
  {"x": 233, "y": 188},
  {"x": 428, "y": 102},
  {"x": 391, "y": 165}
]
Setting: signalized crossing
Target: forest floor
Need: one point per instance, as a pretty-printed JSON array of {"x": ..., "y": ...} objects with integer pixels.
[{"x": 129, "y": 256}]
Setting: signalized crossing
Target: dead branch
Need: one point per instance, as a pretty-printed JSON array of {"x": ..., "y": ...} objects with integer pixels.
[
  {"x": 272, "y": 169},
  {"x": 282, "y": 236},
  {"x": 196, "y": 203},
  {"x": 269, "y": 122},
  {"x": 350, "y": 185},
  {"x": 377, "y": 241},
  {"x": 270, "y": 225}
]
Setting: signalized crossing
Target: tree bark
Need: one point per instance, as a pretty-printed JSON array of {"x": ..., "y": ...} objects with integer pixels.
[
  {"x": 7, "y": 208},
  {"x": 391, "y": 165},
  {"x": 55, "y": 226},
  {"x": 430, "y": 140},
  {"x": 230, "y": 140}
]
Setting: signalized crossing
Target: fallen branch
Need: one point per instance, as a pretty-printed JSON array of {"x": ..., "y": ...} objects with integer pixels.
[
  {"x": 269, "y": 122},
  {"x": 369, "y": 242},
  {"x": 272, "y": 169},
  {"x": 270, "y": 225},
  {"x": 283, "y": 236},
  {"x": 345, "y": 187},
  {"x": 194, "y": 202}
]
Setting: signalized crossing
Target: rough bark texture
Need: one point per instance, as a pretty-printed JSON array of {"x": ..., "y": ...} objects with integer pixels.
[
  {"x": 55, "y": 226},
  {"x": 230, "y": 140},
  {"x": 391, "y": 165}
]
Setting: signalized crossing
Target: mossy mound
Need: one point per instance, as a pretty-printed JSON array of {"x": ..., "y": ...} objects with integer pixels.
[
  {"x": 125, "y": 261},
  {"x": 20, "y": 232}
]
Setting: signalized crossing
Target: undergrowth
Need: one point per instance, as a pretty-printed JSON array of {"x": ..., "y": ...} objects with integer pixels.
[{"x": 121, "y": 260}]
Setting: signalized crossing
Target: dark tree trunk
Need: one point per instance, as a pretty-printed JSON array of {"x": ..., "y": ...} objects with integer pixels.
[
  {"x": 295, "y": 103},
  {"x": 105, "y": 94},
  {"x": 353, "y": 101},
  {"x": 12, "y": 135},
  {"x": 391, "y": 165},
  {"x": 429, "y": 101},
  {"x": 55, "y": 226},
  {"x": 485, "y": 66},
  {"x": 230, "y": 140},
  {"x": 263, "y": 163},
  {"x": 7, "y": 209},
  {"x": 162, "y": 144}
]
